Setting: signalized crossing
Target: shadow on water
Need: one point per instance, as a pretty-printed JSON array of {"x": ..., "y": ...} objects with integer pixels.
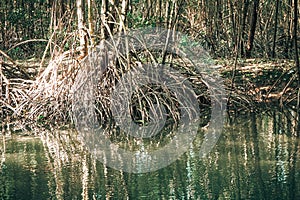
[{"x": 256, "y": 157}]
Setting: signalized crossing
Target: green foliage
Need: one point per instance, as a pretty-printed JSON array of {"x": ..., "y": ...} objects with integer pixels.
[
  {"x": 17, "y": 53},
  {"x": 186, "y": 41},
  {"x": 137, "y": 21},
  {"x": 40, "y": 119}
]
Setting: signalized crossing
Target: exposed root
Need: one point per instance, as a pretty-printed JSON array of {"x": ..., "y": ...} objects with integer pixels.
[{"x": 49, "y": 98}]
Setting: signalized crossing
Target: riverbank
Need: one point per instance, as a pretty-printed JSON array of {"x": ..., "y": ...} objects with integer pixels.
[
  {"x": 253, "y": 83},
  {"x": 39, "y": 95}
]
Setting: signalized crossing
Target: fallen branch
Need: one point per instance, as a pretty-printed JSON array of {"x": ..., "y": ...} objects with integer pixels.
[{"x": 27, "y": 41}]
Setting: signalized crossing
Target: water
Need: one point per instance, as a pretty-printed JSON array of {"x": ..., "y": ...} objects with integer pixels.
[{"x": 256, "y": 157}]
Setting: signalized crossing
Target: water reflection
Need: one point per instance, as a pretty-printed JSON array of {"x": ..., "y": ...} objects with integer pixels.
[
  {"x": 24, "y": 169},
  {"x": 257, "y": 157}
]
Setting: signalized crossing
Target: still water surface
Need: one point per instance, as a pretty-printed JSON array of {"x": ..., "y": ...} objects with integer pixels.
[{"x": 256, "y": 157}]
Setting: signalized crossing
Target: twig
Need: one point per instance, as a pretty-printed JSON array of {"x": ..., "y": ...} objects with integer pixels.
[{"x": 27, "y": 41}]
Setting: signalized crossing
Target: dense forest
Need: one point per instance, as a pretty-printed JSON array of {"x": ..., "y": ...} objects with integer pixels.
[
  {"x": 253, "y": 28},
  {"x": 39, "y": 35}
]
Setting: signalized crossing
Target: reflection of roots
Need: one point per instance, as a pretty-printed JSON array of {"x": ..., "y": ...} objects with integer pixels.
[{"x": 130, "y": 143}]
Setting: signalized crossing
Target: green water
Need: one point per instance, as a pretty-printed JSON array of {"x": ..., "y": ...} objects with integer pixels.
[{"x": 256, "y": 157}]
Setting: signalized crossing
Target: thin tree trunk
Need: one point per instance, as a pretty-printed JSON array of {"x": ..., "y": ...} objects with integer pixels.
[
  {"x": 296, "y": 53},
  {"x": 167, "y": 14},
  {"x": 158, "y": 11},
  {"x": 233, "y": 24},
  {"x": 124, "y": 9},
  {"x": 252, "y": 29},
  {"x": 91, "y": 21},
  {"x": 295, "y": 39},
  {"x": 3, "y": 17},
  {"x": 112, "y": 14},
  {"x": 81, "y": 30},
  {"x": 245, "y": 11},
  {"x": 104, "y": 10},
  {"x": 275, "y": 28}
]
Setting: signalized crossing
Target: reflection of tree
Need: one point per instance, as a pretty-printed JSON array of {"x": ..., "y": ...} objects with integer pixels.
[
  {"x": 243, "y": 165},
  {"x": 292, "y": 161},
  {"x": 77, "y": 175},
  {"x": 23, "y": 172},
  {"x": 236, "y": 165},
  {"x": 257, "y": 168},
  {"x": 2, "y": 151},
  {"x": 61, "y": 149}
]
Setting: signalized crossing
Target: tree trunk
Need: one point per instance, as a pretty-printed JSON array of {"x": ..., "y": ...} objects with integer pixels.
[
  {"x": 295, "y": 39},
  {"x": 81, "y": 30},
  {"x": 125, "y": 5},
  {"x": 91, "y": 21},
  {"x": 252, "y": 29},
  {"x": 275, "y": 28},
  {"x": 245, "y": 11},
  {"x": 104, "y": 10}
]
